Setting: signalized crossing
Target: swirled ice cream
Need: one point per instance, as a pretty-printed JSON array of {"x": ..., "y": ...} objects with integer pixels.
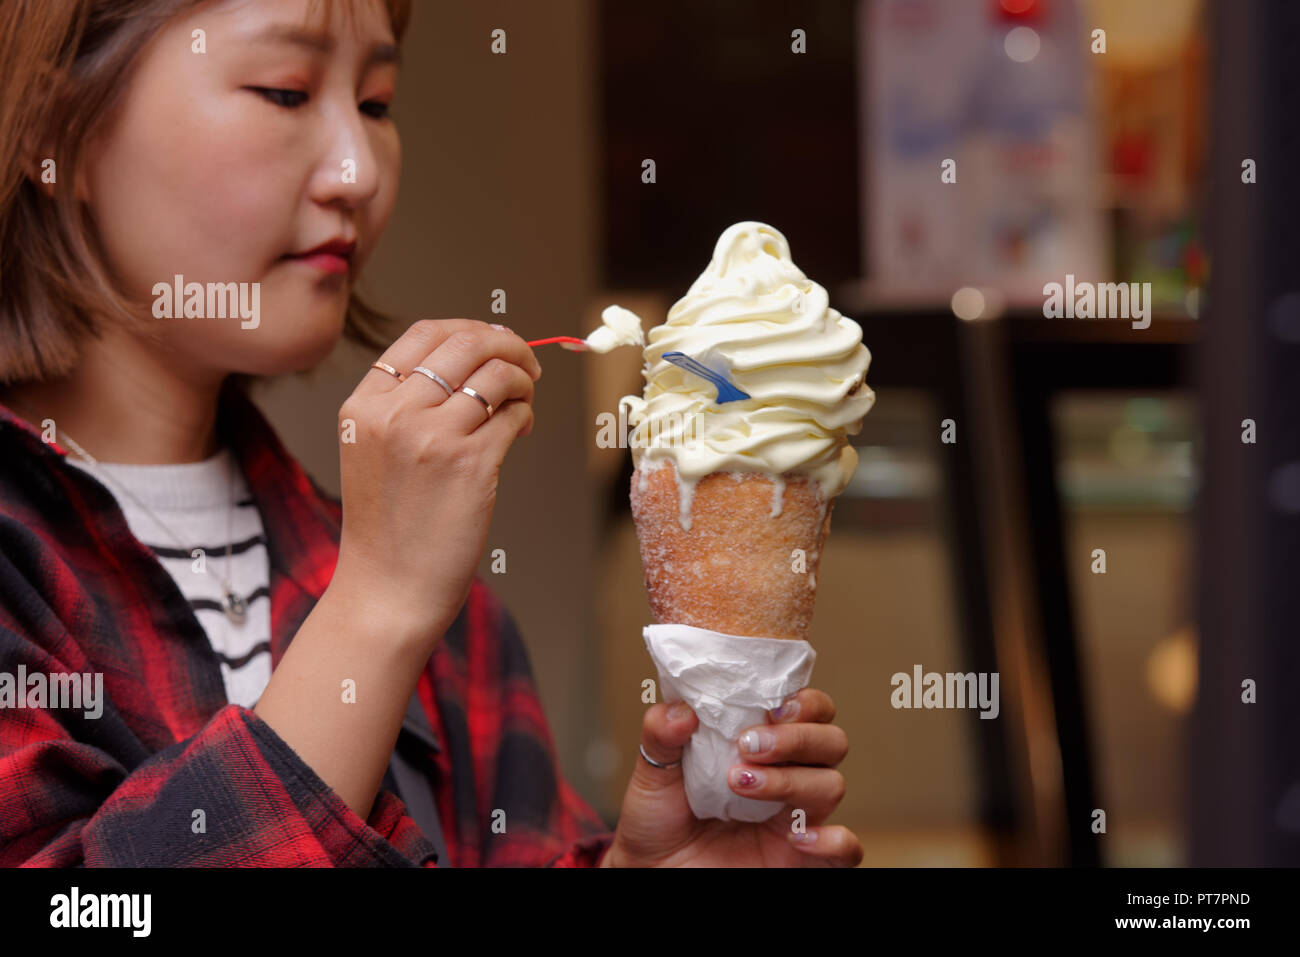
[{"x": 754, "y": 316}]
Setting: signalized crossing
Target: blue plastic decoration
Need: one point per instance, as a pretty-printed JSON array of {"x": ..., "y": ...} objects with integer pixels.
[{"x": 726, "y": 391}]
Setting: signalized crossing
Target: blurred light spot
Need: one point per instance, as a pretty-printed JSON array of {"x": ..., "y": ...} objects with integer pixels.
[
  {"x": 1017, "y": 6},
  {"x": 602, "y": 759},
  {"x": 968, "y": 303},
  {"x": 1021, "y": 44},
  {"x": 1171, "y": 671},
  {"x": 1284, "y": 317},
  {"x": 1192, "y": 302},
  {"x": 1129, "y": 446},
  {"x": 1284, "y": 488}
]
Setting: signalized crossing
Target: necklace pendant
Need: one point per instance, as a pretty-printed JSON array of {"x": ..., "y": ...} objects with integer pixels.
[{"x": 234, "y": 607}]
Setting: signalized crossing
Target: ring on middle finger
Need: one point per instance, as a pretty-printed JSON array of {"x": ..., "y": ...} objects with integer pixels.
[
  {"x": 436, "y": 378},
  {"x": 487, "y": 406}
]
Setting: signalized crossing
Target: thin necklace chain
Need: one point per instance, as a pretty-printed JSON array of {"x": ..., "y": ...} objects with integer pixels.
[{"x": 232, "y": 605}]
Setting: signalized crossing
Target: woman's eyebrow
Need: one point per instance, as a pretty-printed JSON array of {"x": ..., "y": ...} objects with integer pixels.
[{"x": 320, "y": 42}]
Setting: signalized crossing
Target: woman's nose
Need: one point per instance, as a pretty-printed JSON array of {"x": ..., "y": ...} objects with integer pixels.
[{"x": 349, "y": 166}]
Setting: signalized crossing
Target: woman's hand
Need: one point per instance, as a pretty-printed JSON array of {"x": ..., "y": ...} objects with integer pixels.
[
  {"x": 657, "y": 829},
  {"x": 419, "y": 469}
]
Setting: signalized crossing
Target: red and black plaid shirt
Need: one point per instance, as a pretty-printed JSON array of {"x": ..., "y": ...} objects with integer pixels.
[{"x": 79, "y": 594}]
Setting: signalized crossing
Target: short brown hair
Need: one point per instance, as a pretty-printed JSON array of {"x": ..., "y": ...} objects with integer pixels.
[{"x": 63, "y": 67}]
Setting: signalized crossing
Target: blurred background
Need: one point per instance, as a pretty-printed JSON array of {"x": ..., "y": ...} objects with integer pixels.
[{"x": 1103, "y": 140}]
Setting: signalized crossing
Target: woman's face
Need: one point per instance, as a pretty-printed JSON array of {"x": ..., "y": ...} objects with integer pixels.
[{"x": 223, "y": 163}]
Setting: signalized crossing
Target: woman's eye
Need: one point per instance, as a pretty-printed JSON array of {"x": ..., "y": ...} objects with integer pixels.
[
  {"x": 292, "y": 98},
  {"x": 287, "y": 98}
]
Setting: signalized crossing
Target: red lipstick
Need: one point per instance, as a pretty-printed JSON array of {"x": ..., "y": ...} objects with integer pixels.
[{"x": 334, "y": 256}]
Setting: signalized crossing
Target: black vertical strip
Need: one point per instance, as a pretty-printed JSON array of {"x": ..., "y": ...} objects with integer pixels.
[
  {"x": 998, "y": 810},
  {"x": 1033, "y": 397},
  {"x": 1245, "y": 762}
]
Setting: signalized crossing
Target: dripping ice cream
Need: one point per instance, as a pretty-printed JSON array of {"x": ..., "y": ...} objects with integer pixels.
[{"x": 754, "y": 314}]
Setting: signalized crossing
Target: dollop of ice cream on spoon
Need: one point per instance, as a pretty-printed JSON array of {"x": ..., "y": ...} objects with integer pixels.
[{"x": 619, "y": 327}]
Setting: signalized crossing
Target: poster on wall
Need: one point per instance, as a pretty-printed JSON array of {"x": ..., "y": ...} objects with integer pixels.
[{"x": 980, "y": 160}]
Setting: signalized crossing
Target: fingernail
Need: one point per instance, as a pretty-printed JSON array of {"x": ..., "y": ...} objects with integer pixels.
[
  {"x": 678, "y": 711},
  {"x": 745, "y": 778},
  {"x": 804, "y": 837},
  {"x": 495, "y": 325},
  {"x": 754, "y": 742},
  {"x": 788, "y": 709}
]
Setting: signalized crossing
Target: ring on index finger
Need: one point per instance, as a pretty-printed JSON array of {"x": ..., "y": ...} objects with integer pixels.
[{"x": 384, "y": 366}]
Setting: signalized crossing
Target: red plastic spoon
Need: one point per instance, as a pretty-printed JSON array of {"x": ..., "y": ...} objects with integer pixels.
[{"x": 569, "y": 342}]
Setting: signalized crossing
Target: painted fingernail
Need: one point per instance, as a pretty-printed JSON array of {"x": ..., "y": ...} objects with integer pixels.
[
  {"x": 754, "y": 742},
  {"x": 788, "y": 709},
  {"x": 803, "y": 837},
  {"x": 678, "y": 711},
  {"x": 745, "y": 778}
]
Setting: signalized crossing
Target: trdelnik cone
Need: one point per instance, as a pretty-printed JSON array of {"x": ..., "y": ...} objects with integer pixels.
[{"x": 739, "y": 568}]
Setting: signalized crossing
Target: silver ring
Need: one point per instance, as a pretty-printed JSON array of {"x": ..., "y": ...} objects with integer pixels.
[
  {"x": 436, "y": 378},
  {"x": 654, "y": 762},
  {"x": 384, "y": 366},
  {"x": 474, "y": 395}
]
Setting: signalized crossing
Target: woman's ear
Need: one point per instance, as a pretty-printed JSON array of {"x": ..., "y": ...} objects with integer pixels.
[
  {"x": 39, "y": 164},
  {"x": 46, "y": 175}
]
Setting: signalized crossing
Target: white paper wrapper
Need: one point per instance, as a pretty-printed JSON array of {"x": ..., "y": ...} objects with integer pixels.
[{"x": 730, "y": 681}]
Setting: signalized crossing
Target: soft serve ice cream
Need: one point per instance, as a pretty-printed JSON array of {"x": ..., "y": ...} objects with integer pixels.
[{"x": 753, "y": 315}]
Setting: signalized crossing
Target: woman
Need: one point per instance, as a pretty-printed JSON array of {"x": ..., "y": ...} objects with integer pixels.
[{"x": 189, "y": 192}]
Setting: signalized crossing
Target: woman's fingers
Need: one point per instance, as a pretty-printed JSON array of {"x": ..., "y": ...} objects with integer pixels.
[
  {"x": 817, "y": 791},
  {"x": 808, "y": 704},
  {"x": 514, "y": 420},
  {"x": 418, "y": 341},
  {"x": 457, "y": 356},
  {"x": 799, "y": 743},
  {"x": 498, "y": 382},
  {"x": 793, "y": 758},
  {"x": 834, "y": 843},
  {"x": 664, "y": 733},
  {"x": 453, "y": 348}
]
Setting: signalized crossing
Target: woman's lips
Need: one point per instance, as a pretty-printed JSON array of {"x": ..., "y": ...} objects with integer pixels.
[
  {"x": 333, "y": 256},
  {"x": 326, "y": 262}
]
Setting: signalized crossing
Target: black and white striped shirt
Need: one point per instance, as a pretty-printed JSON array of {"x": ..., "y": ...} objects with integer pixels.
[{"x": 193, "y": 501}]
